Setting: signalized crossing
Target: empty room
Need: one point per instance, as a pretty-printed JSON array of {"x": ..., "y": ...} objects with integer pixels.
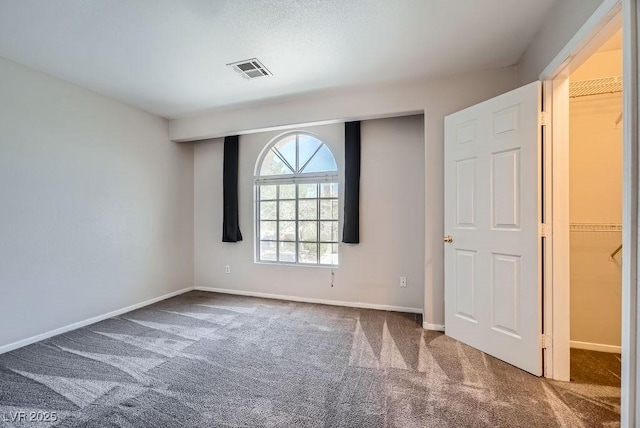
[{"x": 318, "y": 213}]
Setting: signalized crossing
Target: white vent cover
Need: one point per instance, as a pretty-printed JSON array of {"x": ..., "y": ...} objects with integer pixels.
[
  {"x": 584, "y": 88},
  {"x": 250, "y": 68}
]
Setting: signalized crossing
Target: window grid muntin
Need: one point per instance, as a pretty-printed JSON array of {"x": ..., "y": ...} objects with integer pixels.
[
  {"x": 283, "y": 159},
  {"x": 319, "y": 242},
  {"x": 297, "y": 255},
  {"x": 278, "y": 223},
  {"x": 297, "y": 154},
  {"x": 310, "y": 157}
]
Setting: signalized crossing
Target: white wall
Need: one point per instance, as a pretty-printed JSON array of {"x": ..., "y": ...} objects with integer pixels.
[
  {"x": 435, "y": 97},
  {"x": 391, "y": 228},
  {"x": 563, "y": 21},
  {"x": 96, "y": 205}
]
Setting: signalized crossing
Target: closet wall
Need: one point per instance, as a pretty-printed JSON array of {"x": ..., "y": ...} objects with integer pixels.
[{"x": 596, "y": 208}]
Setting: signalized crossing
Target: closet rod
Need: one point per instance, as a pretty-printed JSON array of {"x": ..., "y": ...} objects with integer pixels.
[
  {"x": 595, "y": 227},
  {"x": 604, "y": 92}
]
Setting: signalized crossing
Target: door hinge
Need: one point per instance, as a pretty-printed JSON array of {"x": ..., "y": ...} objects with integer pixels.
[
  {"x": 545, "y": 341},
  {"x": 544, "y": 118},
  {"x": 545, "y": 230}
]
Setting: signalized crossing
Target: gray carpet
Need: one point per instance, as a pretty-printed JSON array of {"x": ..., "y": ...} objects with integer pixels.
[{"x": 212, "y": 360}]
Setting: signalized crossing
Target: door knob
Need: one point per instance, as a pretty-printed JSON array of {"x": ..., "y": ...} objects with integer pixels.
[{"x": 448, "y": 239}]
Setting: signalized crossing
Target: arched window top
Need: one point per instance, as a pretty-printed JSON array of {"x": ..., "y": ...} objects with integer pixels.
[{"x": 296, "y": 154}]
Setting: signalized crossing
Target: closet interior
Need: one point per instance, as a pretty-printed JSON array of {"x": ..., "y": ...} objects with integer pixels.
[{"x": 595, "y": 189}]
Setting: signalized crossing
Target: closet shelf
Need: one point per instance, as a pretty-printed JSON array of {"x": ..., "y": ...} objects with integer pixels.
[{"x": 585, "y": 88}]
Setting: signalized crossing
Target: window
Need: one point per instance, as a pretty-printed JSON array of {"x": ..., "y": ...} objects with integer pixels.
[{"x": 297, "y": 202}]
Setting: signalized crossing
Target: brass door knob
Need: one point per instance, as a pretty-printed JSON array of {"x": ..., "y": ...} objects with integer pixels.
[{"x": 448, "y": 239}]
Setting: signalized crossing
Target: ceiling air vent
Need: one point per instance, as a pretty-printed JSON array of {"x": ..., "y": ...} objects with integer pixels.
[{"x": 250, "y": 68}]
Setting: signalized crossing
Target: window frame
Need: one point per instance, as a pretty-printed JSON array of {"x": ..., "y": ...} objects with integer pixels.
[{"x": 295, "y": 179}]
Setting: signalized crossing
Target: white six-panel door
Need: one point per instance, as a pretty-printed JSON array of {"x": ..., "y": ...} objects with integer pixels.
[{"x": 492, "y": 279}]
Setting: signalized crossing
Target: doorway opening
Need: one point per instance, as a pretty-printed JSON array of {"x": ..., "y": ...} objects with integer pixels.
[
  {"x": 595, "y": 220},
  {"x": 583, "y": 304}
]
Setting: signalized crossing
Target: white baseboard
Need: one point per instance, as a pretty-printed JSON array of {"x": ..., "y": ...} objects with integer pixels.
[
  {"x": 312, "y": 300},
  {"x": 596, "y": 347},
  {"x": 433, "y": 327},
  {"x": 84, "y": 323},
  {"x": 79, "y": 324}
]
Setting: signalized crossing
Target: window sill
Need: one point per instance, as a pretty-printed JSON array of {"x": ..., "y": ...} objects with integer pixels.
[{"x": 301, "y": 265}]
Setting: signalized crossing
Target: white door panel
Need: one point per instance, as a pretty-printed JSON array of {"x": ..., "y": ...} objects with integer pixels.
[{"x": 492, "y": 281}]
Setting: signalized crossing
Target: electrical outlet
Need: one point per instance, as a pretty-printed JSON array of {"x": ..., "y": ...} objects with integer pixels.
[
  {"x": 403, "y": 281},
  {"x": 227, "y": 269}
]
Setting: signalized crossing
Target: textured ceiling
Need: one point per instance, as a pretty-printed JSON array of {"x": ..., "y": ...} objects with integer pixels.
[{"x": 168, "y": 57}]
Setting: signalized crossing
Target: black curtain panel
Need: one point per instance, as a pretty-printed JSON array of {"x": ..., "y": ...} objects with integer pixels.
[
  {"x": 230, "y": 227},
  {"x": 351, "y": 230}
]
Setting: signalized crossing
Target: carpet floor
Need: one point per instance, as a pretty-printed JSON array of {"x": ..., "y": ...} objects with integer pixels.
[{"x": 212, "y": 360}]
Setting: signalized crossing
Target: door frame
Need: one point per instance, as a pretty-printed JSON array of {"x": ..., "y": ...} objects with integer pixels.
[
  {"x": 603, "y": 23},
  {"x": 600, "y": 27}
]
